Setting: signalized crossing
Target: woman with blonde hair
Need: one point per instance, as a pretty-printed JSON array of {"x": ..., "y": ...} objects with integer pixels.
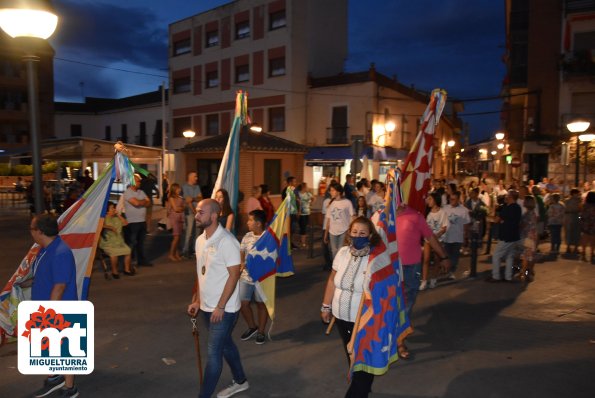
[{"x": 175, "y": 214}]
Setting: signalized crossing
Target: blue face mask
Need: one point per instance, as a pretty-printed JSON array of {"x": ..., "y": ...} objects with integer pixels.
[{"x": 359, "y": 242}]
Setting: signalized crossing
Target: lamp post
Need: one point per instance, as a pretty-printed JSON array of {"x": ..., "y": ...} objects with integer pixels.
[
  {"x": 256, "y": 128},
  {"x": 450, "y": 144},
  {"x": 577, "y": 127},
  {"x": 33, "y": 20},
  {"x": 586, "y": 139}
]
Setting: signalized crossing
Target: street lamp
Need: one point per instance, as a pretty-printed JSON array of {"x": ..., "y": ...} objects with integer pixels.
[
  {"x": 500, "y": 146},
  {"x": 33, "y": 20},
  {"x": 256, "y": 128},
  {"x": 499, "y": 135},
  {"x": 577, "y": 126},
  {"x": 189, "y": 135}
]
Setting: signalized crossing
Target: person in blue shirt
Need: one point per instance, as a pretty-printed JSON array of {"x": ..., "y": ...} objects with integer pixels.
[{"x": 54, "y": 278}]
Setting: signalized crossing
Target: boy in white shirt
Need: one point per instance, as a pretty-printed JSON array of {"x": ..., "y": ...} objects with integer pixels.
[{"x": 256, "y": 224}]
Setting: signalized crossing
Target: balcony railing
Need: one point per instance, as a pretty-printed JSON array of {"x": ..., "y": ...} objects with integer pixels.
[
  {"x": 337, "y": 135},
  {"x": 579, "y": 64}
]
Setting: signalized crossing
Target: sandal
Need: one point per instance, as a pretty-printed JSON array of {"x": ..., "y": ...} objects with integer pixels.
[{"x": 403, "y": 352}]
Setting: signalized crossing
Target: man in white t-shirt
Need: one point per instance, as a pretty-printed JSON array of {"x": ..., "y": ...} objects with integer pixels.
[
  {"x": 135, "y": 207},
  {"x": 217, "y": 298},
  {"x": 458, "y": 219}
]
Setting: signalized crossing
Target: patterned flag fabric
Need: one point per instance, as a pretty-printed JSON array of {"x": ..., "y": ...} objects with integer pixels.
[
  {"x": 80, "y": 227},
  {"x": 229, "y": 172},
  {"x": 417, "y": 168},
  {"x": 271, "y": 256},
  {"x": 382, "y": 321}
]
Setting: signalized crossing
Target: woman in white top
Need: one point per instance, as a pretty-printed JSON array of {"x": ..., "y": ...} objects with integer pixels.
[
  {"x": 338, "y": 216},
  {"x": 344, "y": 290},
  {"x": 438, "y": 222}
]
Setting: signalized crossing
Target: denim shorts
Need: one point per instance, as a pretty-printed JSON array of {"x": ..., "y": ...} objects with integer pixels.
[{"x": 247, "y": 290}]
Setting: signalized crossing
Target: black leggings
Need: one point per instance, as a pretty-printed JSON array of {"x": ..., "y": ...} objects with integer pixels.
[{"x": 361, "y": 382}]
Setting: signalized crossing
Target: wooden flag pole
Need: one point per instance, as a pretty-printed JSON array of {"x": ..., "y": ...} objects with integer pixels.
[{"x": 330, "y": 326}]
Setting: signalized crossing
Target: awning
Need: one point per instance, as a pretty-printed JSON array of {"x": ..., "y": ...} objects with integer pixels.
[{"x": 342, "y": 153}]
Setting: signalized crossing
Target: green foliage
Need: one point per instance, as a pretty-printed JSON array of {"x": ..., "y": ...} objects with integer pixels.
[
  {"x": 49, "y": 167},
  {"x": 22, "y": 170}
]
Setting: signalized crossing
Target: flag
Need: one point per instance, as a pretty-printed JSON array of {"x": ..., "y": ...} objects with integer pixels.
[
  {"x": 382, "y": 322},
  {"x": 417, "y": 168},
  {"x": 271, "y": 256},
  {"x": 229, "y": 172},
  {"x": 80, "y": 227}
]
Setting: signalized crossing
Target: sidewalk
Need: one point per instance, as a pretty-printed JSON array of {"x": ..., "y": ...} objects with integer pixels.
[{"x": 472, "y": 339}]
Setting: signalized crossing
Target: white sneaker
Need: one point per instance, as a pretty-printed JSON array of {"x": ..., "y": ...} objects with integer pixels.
[
  {"x": 433, "y": 283},
  {"x": 233, "y": 389},
  {"x": 466, "y": 273},
  {"x": 423, "y": 285},
  {"x": 451, "y": 276}
]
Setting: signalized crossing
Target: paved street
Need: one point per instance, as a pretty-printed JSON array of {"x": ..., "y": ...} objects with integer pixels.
[{"x": 472, "y": 339}]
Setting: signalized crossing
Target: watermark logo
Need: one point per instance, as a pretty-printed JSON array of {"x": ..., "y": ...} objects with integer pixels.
[{"x": 56, "y": 337}]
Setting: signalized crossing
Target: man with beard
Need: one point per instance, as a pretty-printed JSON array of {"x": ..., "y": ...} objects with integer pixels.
[{"x": 217, "y": 299}]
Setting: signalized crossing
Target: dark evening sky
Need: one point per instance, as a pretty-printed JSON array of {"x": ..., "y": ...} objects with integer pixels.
[{"x": 452, "y": 44}]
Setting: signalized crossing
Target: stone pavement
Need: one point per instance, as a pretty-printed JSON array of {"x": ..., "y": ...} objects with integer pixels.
[{"x": 472, "y": 339}]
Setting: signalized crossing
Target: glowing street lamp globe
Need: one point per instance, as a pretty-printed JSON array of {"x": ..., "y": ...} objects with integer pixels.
[
  {"x": 28, "y": 18},
  {"x": 500, "y": 146},
  {"x": 450, "y": 143},
  {"x": 499, "y": 135},
  {"x": 189, "y": 134},
  {"x": 494, "y": 152},
  {"x": 586, "y": 137},
  {"x": 390, "y": 126},
  {"x": 578, "y": 126}
]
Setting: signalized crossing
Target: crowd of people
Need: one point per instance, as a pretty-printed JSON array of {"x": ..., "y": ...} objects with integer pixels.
[{"x": 459, "y": 218}]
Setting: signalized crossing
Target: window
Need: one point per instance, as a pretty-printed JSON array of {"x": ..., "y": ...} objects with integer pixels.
[
  {"x": 142, "y": 133},
  {"x": 182, "y": 47},
  {"x": 242, "y": 30},
  {"x": 212, "y": 38},
  {"x": 181, "y": 124},
  {"x": 182, "y": 85},
  {"x": 108, "y": 133},
  {"x": 277, "y": 67},
  {"x": 213, "y": 124},
  {"x": 212, "y": 79},
  {"x": 272, "y": 176},
  {"x": 76, "y": 130},
  {"x": 124, "y": 136},
  {"x": 242, "y": 73},
  {"x": 277, "y": 20},
  {"x": 277, "y": 119}
]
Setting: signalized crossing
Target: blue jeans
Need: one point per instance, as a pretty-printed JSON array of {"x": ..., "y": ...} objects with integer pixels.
[
  {"x": 412, "y": 279},
  {"x": 453, "y": 251},
  {"x": 555, "y": 236},
  {"x": 336, "y": 242},
  {"x": 189, "y": 234},
  {"x": 220, "y": 345},
  {"x": 136, "y": 240}
]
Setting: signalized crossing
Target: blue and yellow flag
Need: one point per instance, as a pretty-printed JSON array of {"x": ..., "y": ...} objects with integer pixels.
[{"x": 271, "y": 256}]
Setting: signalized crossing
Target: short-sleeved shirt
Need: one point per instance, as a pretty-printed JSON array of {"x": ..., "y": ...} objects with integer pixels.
[
  {"x": 457, "y": 218},
  {"x": 411, "y": 228},
  {"x": 134, "y": 213},
  {"x": 54, "y": 265},
  {"x": 215, "y": 254},
  {"x": 436, "y": 221},
  {"x": 510, "y": 227},
  {"x": 339, "y": 213},
  {"x": 305, "y": 202},
  {"x": 375, "y": 203},
  {"x": 191, "y": 191},
  {"x": 325, "y": 203},
  {"x": 555, "y": 214},
  {"x": 246, "y": 245}
]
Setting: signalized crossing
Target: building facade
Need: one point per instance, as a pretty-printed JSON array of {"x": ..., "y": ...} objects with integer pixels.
[{"x": 550, "y": 60}]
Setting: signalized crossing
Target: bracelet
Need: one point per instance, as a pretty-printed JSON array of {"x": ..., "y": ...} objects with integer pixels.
[
  {"x": 325, "y": 308},
  {"x": 221, "y": 308}
]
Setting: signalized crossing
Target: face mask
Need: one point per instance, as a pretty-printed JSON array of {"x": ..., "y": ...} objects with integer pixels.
[{"x": 359, "y": 242}]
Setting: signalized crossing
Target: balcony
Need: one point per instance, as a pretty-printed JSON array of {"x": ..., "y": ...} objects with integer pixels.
[
  {"x": 578, "y": 64},
  {"x": 337, "y": 135},
  {"x": 576, "y": 6}
]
